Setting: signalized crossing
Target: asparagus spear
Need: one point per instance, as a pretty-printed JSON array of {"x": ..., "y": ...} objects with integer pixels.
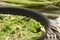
[
  {"x": 10, "y": 4},
  {"x": 51, "y": 16},
  {"x": 28, "y": 2}
]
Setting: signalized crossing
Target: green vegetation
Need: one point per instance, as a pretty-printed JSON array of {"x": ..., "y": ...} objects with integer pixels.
[{"x": 19, "y": 27}]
